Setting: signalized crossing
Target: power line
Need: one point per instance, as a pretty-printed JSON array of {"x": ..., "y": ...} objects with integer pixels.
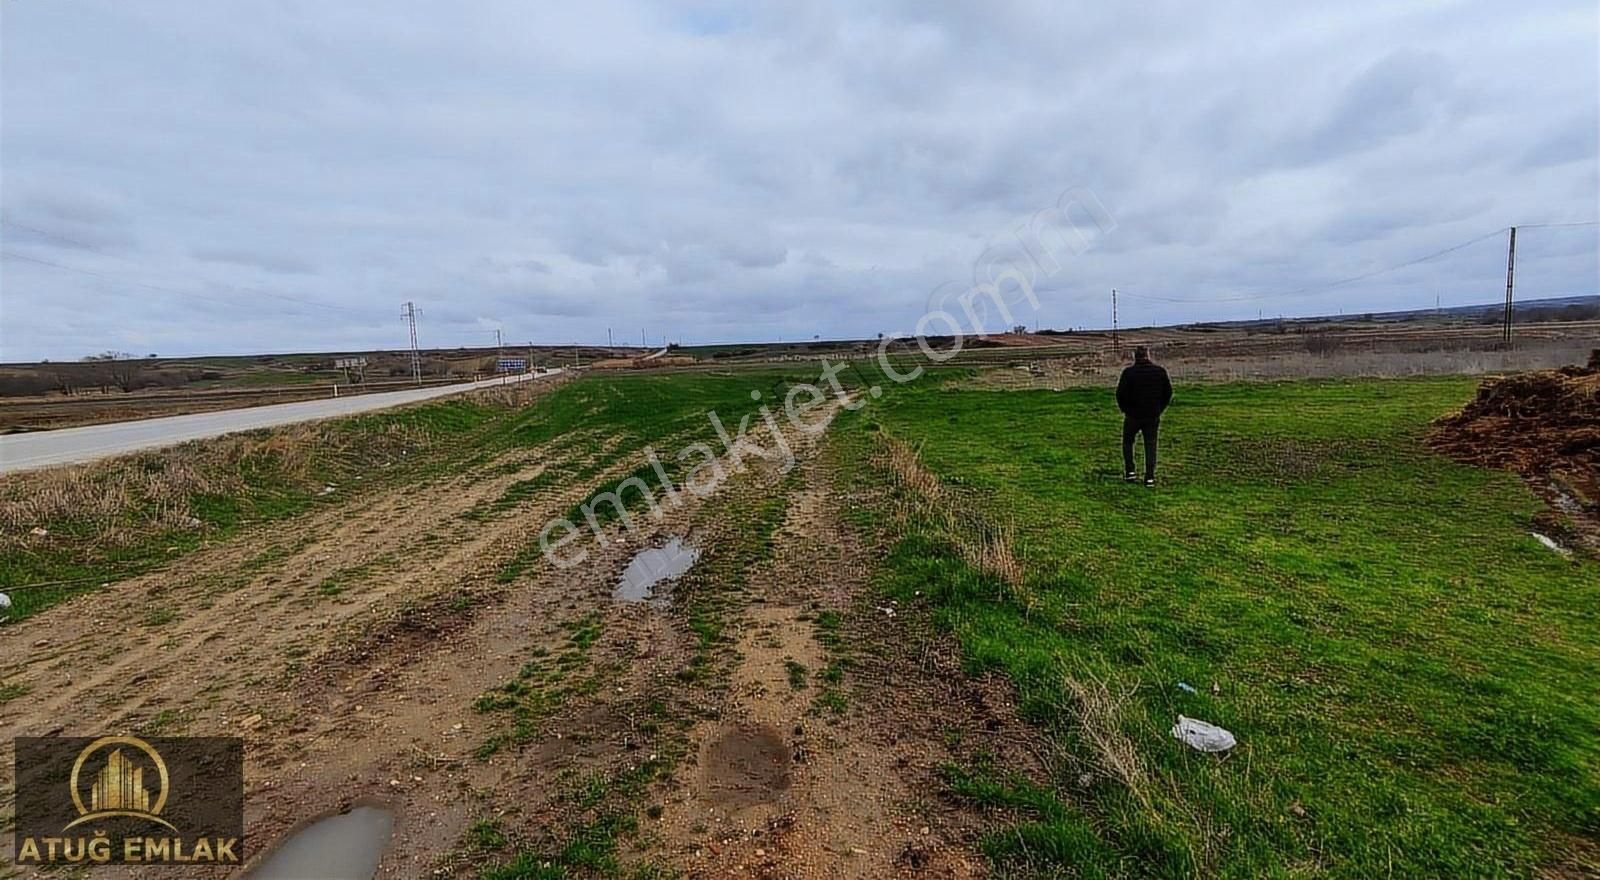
[
  {"x": 1557, "y": 225},
  {"x": 16, "y": 256},
  {"x": 1324, "y": 286},
  {"x": 92, "y": 249}
]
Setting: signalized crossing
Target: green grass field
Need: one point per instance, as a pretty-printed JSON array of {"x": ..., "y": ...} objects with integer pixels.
[{"x": 1414, "y": 681}]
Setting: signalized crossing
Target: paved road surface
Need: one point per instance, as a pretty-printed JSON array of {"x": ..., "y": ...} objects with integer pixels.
[{"x": 20, "y": 452}]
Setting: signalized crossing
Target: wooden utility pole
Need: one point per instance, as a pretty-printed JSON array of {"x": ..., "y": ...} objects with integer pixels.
[
  {"x": 1511, "y": 276},
  {"x": 1116, "y": 342}
]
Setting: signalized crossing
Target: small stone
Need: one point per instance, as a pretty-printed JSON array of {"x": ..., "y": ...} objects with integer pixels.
[
  {"x": 39, "y": 531},
  {"x": 249, "y": 721}
]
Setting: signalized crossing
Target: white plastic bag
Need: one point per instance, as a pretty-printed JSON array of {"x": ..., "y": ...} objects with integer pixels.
[{"x": 1202, "y": 736}]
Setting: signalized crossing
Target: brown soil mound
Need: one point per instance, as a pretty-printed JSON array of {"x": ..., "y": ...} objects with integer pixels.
[{"x": 1543, "y": 425}]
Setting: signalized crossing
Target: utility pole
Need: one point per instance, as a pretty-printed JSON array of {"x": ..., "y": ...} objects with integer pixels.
[
  {"x": 1116, "y": 343},
  {"x": 611, "y": 346},
  {"x": 410, "y": 314},
  {"x": 642, "y": 343},
  {"x": 1511, "y": 269}
]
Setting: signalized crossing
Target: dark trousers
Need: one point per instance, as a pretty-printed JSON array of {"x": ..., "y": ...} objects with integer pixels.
[{"x": 1147, "y": 427}]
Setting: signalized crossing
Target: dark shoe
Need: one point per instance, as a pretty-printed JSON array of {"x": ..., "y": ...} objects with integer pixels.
[
  {"x": 1149, "y": 482},
  {"x": 1130, "y": 478}
]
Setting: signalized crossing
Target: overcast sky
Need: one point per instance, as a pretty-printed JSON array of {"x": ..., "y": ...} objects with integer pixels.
[{"x": 187, "y": 177}]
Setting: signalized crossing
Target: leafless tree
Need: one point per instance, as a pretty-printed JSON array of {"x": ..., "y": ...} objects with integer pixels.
[{"x": 121, "y": 368}]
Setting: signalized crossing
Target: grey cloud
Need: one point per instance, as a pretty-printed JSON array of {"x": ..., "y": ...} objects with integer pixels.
[
  {"x": 279, "y": 263},
  {"x": 749, "y": 172}
]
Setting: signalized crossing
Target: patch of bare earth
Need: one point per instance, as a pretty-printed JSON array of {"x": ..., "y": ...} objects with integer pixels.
[
  {"x": 345, "y": 646},
  {"x": 805, "y": 772},
  {"x": 1544, "y": 425},
  {"x": 353, "y": 647}
]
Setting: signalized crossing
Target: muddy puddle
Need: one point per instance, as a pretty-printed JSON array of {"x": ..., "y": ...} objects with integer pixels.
[
  {"x": 647, "y": 577},
  {"x": 745, "y": 766},
  {"x": 346, "y": 846}
]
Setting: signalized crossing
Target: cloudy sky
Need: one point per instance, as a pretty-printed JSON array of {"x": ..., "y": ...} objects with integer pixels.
[{"x": 185, "y": 177}]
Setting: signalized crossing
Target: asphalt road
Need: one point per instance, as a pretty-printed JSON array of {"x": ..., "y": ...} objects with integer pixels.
[{"x": 20, "y": 452}]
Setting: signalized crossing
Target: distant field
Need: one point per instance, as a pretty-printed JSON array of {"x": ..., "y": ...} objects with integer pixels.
[
  {"x": 55, "y": 395},
  {"x": 1414, "y": 681}
]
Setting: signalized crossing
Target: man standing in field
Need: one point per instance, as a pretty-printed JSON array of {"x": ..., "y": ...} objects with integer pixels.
[{"x": 1143, "y": 393}]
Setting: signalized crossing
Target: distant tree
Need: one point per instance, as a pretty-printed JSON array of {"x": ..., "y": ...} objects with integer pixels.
[{"x": 120, "y": 368}]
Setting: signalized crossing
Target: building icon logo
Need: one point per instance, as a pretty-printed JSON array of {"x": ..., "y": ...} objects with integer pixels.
[{"x": 131, "y": 781}]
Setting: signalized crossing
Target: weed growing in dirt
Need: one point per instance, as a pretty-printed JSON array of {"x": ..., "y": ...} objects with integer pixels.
[
  {"x": 159, "y": 616},
  {"x": 797, "y": 674},
  {"x": 598, "y": 809},
  {"x": 830, "y": 697},
  {"x": 541, "y": 686},
  {"x": 485, "y": 835},
  {"x": 1408, "y": 672}
]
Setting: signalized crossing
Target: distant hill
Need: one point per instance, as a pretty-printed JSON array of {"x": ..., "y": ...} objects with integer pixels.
[{"x": 1558, "y": 308}]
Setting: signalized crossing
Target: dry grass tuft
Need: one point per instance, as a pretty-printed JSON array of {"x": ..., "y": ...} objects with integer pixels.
[
  {"x": 121, "y": 500},
  {"x": 152, "y": 489},
  {"x": 1100, "y": 725},
  {"x": 1099, "y": 719},
  {"x": 982, "y": 542}
]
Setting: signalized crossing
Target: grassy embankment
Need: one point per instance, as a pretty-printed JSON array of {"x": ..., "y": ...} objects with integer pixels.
[
  {"x": 1412, "y": 678},
  {"x": 117, "y": 518},
  {"x": 121, "y": 517}
]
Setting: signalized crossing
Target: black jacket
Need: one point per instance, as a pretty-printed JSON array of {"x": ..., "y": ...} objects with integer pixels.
[{"x": 1144, "y": 390}]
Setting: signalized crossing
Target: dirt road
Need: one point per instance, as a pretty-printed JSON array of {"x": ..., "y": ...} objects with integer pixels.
[{"x": 762, "y": 720}]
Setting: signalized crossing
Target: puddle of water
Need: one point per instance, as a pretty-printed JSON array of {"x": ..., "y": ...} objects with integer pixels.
[
  {"x": 652, "y": 567},
  {"x": 343, "y": 847}
]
